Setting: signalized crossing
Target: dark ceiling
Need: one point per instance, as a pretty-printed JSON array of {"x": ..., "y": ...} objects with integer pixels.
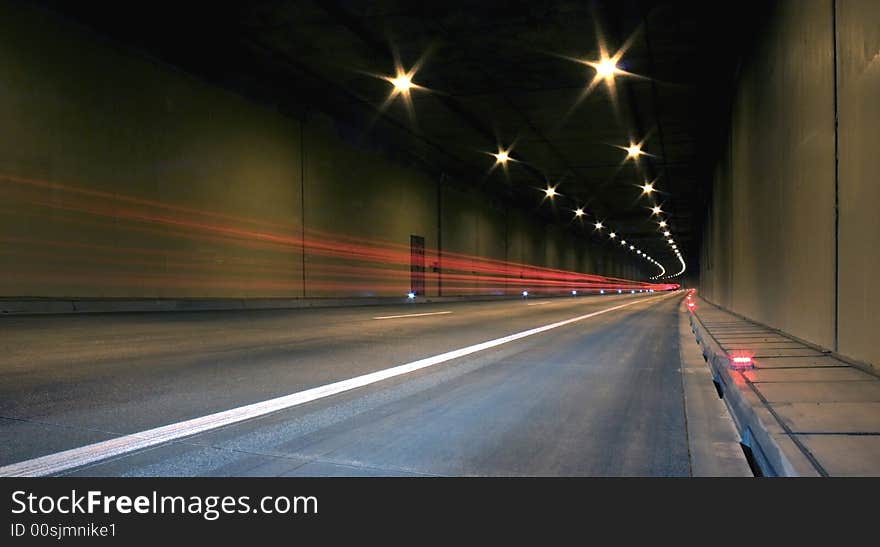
[{"x": 497, "y": 74}]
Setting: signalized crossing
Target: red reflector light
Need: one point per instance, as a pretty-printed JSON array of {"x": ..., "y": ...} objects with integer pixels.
[{"x": 741, "y": 362}]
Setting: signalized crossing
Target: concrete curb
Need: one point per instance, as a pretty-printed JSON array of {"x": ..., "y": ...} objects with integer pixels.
[
  {"x": 41, "y": 306},
  {"x": 46, "y": 306},
  {"x": 870, "y": 368},
  {"x": 713, "y": 438},
  {"x": 774, "y": 452}
]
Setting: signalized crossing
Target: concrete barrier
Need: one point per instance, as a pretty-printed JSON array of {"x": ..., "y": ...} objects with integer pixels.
[
  {"x": 39, "y": 306},
  {"x": 771, "y": 448}
]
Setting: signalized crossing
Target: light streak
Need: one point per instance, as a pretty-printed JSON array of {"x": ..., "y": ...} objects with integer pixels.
[{"x": 185, "y": 250}]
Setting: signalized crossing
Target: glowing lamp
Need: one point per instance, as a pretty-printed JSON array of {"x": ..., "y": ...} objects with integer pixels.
[
  {"x": 402, "y": 83},
  {"x": 605, "y": 68}
]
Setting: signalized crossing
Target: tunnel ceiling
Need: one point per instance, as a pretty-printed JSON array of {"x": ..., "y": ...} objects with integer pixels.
[{"x": 497, "y": 74}]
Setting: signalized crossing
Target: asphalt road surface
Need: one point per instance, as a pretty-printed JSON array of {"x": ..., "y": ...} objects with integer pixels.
[{"x": 601, "y": 395}]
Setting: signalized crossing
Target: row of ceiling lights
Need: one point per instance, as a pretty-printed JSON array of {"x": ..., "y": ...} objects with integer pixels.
[
  {"x": 634, "y": 151},
  {"x": 606, "y": 70}
]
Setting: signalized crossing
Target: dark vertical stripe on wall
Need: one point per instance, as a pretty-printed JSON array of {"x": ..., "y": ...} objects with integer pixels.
[
  {"x": 836, "y": 181},
  {"x": 440, "y": 235},
  {"x": 302, "y": 201},
  {"x": 506, "y": 245}
]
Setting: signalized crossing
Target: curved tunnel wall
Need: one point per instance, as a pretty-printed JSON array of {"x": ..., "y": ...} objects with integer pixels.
[
  {"x": 121, "y": 177},
  {"x": 792, "y": 238}
]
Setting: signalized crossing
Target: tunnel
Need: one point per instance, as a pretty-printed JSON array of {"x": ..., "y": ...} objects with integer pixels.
[{"x": 322, "y": 238}]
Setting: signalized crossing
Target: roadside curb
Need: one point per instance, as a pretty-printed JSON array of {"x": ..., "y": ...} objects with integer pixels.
[
  {"x": 80, "y": 306},
  {"x": 714, "y": 446},
  {"x": 772, "y": 449},
  {"x": 48, "y": 306}
]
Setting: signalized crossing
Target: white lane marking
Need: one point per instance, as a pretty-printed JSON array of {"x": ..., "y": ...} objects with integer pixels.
[
  {"x": 539, "y": 303},
  {"x": 85, "y": 455},
  {"x": 412, "y": 315}
]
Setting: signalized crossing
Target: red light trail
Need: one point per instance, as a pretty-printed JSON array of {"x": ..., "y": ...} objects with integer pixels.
[{"x": 182, "y": 250}]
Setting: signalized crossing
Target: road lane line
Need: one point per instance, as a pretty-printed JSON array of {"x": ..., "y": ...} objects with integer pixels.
[
  {"x": 77, "y": 457},
  {"x": 538, "y": 303},
  {"x": 412, "y": 315}
]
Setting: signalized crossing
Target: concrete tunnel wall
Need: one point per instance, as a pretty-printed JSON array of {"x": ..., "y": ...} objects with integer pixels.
[
  {"x": 792, "y": 238},
  {"x": 122, "y": 177}
]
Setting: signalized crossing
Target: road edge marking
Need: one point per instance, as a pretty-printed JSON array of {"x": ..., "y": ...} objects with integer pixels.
[{"x": 412, "y": 315}]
